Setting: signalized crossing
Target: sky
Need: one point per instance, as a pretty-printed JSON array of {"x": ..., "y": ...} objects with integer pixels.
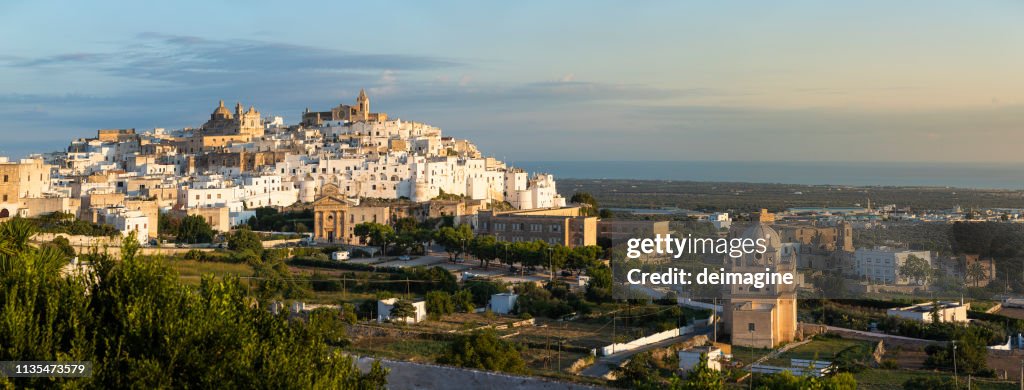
[{"x": 540, "y": 80}]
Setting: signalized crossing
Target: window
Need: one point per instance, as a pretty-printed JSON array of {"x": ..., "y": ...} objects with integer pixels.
[
  {"x": 5, "y": 178},
  {"x": 751, "y": 327}
]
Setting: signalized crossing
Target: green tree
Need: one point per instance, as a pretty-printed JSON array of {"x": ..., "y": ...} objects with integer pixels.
[
  {"x": 702, "y": 377},
  {"x": 141, "y": 327},
  {"x": 402, "y": 310},
  {"x": 462, "y": 301},
  {"x": 484, "y": 350},
  {"x": 599, "y": 289},
  {"x": 582, "y": 258},
  {"x": 243, "y": 240},
  {"x": 167, "y": 224},
  {"x": 62, "y": 244},
  {"x": 455, "y": 240},
  {"x": 584, "y": 198},
  {"x": 275, "y": 280},
  {"x": 485, "y": 248},
  {"x": 194, "y": 230},
  {"x": 976, "y": 272},
  {"x": 439, "y": 303},
  {"x": 557, "y": 256},
  {"x": 639, "y": 373},
  {"x": 376, "y": 234},
  {"x": 916, "y": 268},
  {"x": 971, "y": 352}
]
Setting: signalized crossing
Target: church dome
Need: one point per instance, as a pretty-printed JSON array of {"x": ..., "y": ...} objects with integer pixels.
[
  {"x": 221, "y": 111},
  {"x": 762, "y": 230},
  {"x": 772, "y": 242}
]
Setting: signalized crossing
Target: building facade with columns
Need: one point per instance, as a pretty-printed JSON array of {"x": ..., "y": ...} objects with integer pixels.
[{"x": 335, "y": 217}]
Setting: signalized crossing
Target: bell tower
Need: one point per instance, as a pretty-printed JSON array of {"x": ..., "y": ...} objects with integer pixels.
[{"x": 363, "y": 102}]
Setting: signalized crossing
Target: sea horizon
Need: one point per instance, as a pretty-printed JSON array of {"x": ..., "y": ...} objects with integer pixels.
[{"x": 973, "y": 175}]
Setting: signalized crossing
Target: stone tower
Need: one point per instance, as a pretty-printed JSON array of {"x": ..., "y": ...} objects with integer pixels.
[{"x": 363, "y": 102}]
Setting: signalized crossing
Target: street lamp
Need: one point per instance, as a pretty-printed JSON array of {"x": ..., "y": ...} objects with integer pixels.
[
  {"x": 551, "y": 268},
  {"x": 751, "y": 356}
]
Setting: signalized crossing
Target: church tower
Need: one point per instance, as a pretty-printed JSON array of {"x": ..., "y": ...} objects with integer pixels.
[{"x": 363, "y": 102}]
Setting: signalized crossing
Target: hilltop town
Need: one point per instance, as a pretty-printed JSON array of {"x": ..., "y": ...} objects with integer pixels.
[
  {"x": 390, "y": 241},
  {"x": 239, "y": 161}
]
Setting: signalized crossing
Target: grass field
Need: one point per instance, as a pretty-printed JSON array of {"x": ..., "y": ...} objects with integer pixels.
[
  {"x": 409, "y": 349},
  {"x": 191, "y": 271},
  {"x": 822, "y": 349},
  {"x": 894, "y": 379},
  {"x": 745, "y": 355}
]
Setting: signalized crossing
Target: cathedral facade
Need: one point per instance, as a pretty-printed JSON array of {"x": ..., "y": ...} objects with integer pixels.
[
  {"x": 345, "y": 113},
  {"x": 223, "y": 122}
]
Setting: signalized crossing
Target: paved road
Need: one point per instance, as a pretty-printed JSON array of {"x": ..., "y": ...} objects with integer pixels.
[{"x": 605, "y": 364}]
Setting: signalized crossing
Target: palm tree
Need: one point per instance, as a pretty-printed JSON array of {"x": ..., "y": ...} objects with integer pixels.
[{"x": 977, "y": 272}]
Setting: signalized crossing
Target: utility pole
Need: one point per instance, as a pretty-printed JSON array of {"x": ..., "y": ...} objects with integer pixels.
[
  {"x": 956, "y": 381},
  {"x": 559, "y": 355},
  {"x": 751, "y": 359},
  {"x": 714, "y": 319},
  {"x": 613, "y": 342}
]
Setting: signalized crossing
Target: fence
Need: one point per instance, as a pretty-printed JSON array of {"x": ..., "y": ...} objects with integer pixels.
[
  {"x": 646, "y": 340},
  {"x": 798, "y": 367}
]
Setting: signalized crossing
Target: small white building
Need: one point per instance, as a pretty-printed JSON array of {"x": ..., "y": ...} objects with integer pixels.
[
  {"x": 689, "y": 358},
  {"x": 503, "y": 303},
  {"x": 922, "y": 312},
  {"x": 126, "y": 221},
  {"x": 720, "y": 220},
  {"x": 384, "y": 307}
]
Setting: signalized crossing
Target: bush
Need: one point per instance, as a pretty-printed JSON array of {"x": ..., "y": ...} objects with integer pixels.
[
  {"x": 484, "y": 350},
  {"x": 439, "y": 303},
  {"x": 141, "y": 327},
  {"x": 243, "y": 240},
  {"x": 194, "y": 230}
]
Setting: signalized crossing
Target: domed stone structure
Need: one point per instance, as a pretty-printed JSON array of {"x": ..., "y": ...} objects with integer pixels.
[{"x": 761, "y": 317}]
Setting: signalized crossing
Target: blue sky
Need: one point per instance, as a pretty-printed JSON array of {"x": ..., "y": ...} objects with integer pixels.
[{"x": 572, "y": 80}]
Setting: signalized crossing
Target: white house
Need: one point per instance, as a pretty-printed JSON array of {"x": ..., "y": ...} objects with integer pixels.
[
  {"x": 720, "y": 220},
  {"x": 503, "y": 303},
  {"x": 922, "y": 312},
  {"x": 127, "y": 221},
  {"x": 384, "y": 307},
  {"x": 689, "y": 358}
]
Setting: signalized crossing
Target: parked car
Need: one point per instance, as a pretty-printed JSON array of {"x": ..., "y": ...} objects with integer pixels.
[{"x": 404, "y": 258}]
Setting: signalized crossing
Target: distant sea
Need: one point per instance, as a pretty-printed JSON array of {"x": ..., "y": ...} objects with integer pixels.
[{"x": 961, "y": 175}]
